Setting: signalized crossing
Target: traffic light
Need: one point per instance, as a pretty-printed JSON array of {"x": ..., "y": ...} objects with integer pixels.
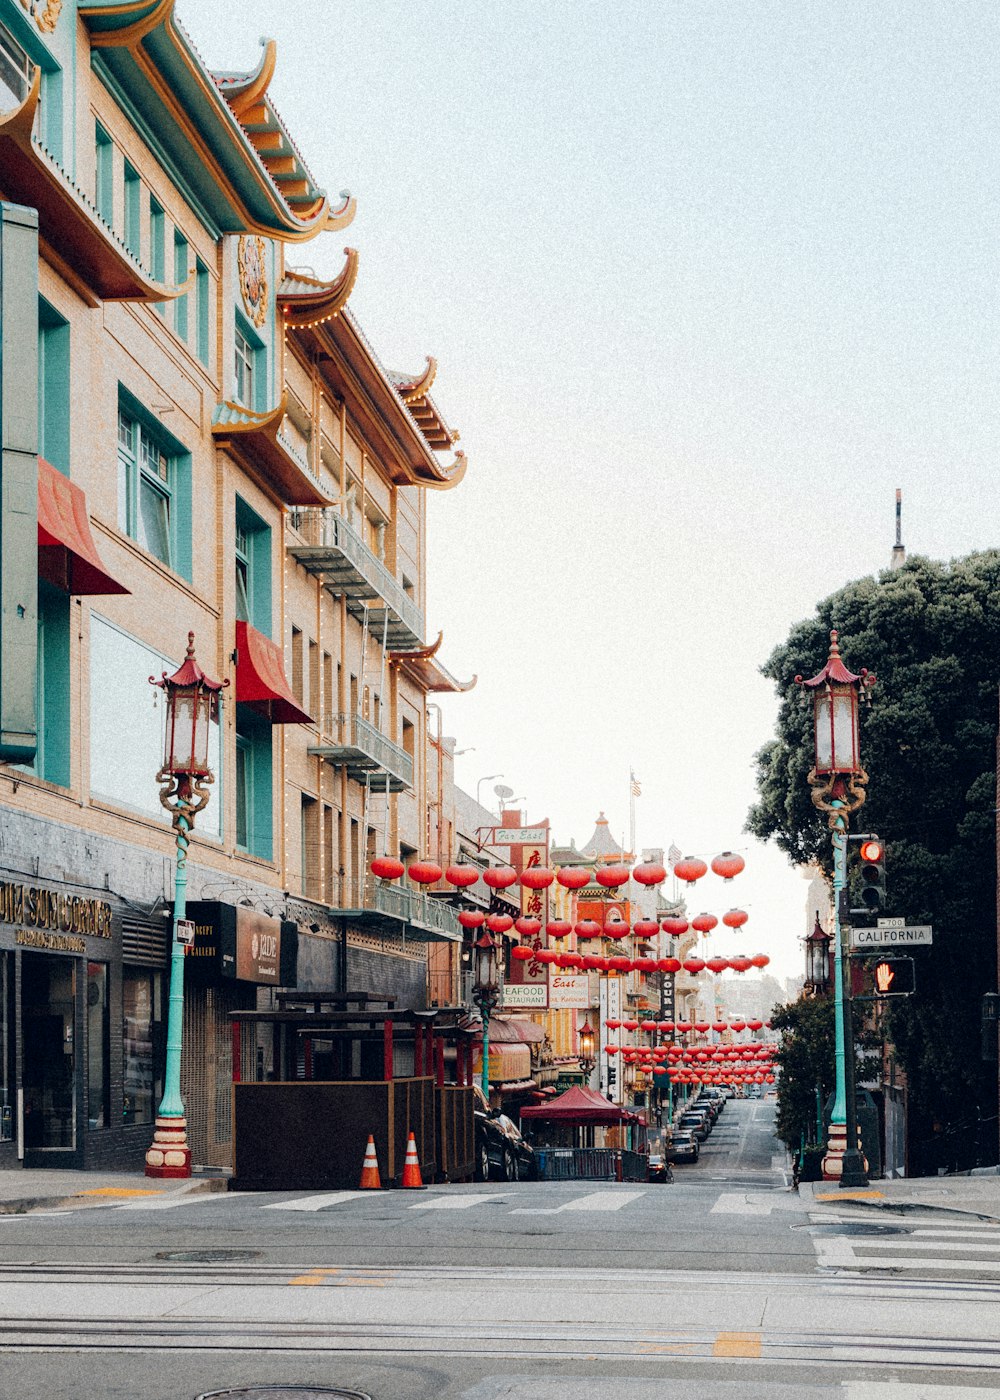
[
  {"x": 888, "y": 977},
  {"x": 872, "y": 853}
]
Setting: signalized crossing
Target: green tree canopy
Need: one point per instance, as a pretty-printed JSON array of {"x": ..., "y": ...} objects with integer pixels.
[{"x": 931, "y": 633}]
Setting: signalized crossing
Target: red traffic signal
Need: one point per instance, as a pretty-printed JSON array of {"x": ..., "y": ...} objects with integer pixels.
[{"x": 872, "y": 851}]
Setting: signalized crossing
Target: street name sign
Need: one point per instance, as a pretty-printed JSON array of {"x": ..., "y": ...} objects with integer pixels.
[{"x": 898, "y": 936}]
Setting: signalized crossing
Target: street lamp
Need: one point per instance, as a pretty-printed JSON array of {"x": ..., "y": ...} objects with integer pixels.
[
  {"x": 586, "y": 1057},
  {"x": 485, "y": 991},
  {"x": 817, "y": 960},
  {"x": 192, "y": 701},
  {"x": 479, "y": 785},
  {"x": 838, "y": 785}
]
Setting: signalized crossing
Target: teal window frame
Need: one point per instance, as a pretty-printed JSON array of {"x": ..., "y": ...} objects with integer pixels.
[
  {"x": 104, "y": 176},
  {"x": 157, "y": 248},
  {"x": 133, "y": 211},
  {"x": 53, "y": 387},
  {"x": 52, "y": 753},
  {"x": 154, "y": 474},
  {"x": 181, "y": 256},
  {"x": 203, "y": 292},
  {"x": 254, "y": 779},
  {"x": 20, "y": 52},
  {"x": 249, "y": 359},
  {"x": 253, "y": 568}
]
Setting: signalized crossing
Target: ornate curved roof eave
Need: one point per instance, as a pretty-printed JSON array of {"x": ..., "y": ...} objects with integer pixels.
[
  {"x": 147, "y": 33},
  {"x": 306, "y": 301},
  {"x": 412, "y": 386},
  {"x": 257, "y": 438},
  {"x": 72, "y": 232},
  {"x": 451, "y": 476},
  {"x": 423, "y": 667},
  {"x": 242, "y": 90}
]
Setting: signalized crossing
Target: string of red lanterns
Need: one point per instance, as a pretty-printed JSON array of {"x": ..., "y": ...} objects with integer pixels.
[{"x": 540, "y": 877}]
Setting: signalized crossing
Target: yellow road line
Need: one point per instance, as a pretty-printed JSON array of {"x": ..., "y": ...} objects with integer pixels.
[
  {"x": 848, "y": 1195},
  {"x": 120, "y": 1191},
  {"x": 737, "y": 1344}
]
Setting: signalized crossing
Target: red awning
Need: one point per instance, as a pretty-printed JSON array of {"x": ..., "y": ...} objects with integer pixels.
[
  {"x": 516, "y": 1030},
  {"x": 260, "y": 678},
  {"x": 579, "y": 1105},
  {"x": 67, "y": 555}
]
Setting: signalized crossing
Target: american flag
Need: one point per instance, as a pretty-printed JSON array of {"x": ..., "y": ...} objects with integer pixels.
[
  {"x": 674, "y": 854},
  {"x": 635, "y": 788}
]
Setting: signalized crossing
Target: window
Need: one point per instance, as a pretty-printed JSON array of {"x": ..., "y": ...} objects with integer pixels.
[
  {"x": 311, "y": 884},
  {"x": 126, "y": 727},
  {"x": 330, "y": 821},
  {"x": 8, "y": 1089},
  {"x": 133, "y": 215},
  {"x": 15, "y": 71},
  {"x": 329, "y": 700},
  {"x": 202, "y": 294},
  {"x": 297, "y": 664},
  {"x": 105, "y": 176},
  {"x": 157, "y": 240},
  {"x": 314, "y": 679},
  {"x": 154, "y": 488},
  {"x": 53, "y": 387},
  {"x": 142, "y": 1034},
  {"x": 180, "y": 277},
  {"x": 98, "y": 1056},
  {"x": 253, "y": 784},
  {"x": 253, "y": 568},
  {"x": 52, "y": 754},
  {"x": 246, "y": 365}
]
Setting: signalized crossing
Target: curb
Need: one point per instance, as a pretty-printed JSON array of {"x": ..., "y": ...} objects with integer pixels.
[
  {"x": 905, "y": 1207},
  {"x": 22, "y": 1205}
]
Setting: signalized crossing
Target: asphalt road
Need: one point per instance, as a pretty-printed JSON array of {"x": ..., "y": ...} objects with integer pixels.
[{"x": 725, "y": 1279}]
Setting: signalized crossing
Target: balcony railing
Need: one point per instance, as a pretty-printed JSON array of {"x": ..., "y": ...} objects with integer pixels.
[
  {"x": 363, "y": 750},
  {"x": 371, "y": 901},
  {"x": 336, "y": 552}
]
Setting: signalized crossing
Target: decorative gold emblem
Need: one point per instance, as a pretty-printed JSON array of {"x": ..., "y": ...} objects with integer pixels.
[
  {"x": 253, "y": 277},
  {"x": 45, "y": 13}
]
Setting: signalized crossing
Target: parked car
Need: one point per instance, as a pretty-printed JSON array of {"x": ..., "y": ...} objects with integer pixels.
[
  {"x": 696, "y": 1123},
  {"x": 658, "y": 1168},
  {"x": 681, "y": 1146},
  {"x": 525, "y": 1162},
  {"x": 495, "y": 1157}
]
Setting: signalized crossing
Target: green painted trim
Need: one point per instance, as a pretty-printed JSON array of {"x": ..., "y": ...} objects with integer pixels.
[
  {"x": 257, "y": 746},
  {"x": 52, "y": 759},
  {"x": 179, "y": 483},
  {"x": 173, "y": 168},
  {"x": 54, "y": 398},
  {"x": 181, "y": 257},
  {"x": 133, "y": 211},
  {"x": 261, "y": 359},
  {"x": 104, "y": 185},
  {"x": 258, "y": 565},
  {"x": 203, "y": 293}
]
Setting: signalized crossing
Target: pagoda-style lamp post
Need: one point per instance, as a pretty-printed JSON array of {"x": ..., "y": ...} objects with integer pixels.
[
  {"x": 838, "y": 788},
  {"x": 817, "y": 947},
  {"x": 485, "y": 992},
  {"x": 587, "y": 1058},
  {"x": 192, "y": 706}
]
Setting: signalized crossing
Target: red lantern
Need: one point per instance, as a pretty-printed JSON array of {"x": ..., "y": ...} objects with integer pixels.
[
  {"x": 645, "y": 964},
  {"x": 527, "y": 926},
  {"x": 728, "y": 864},
  {"x": 717, "y": 965},
  {"x": 587, "y": 928},
  {"x": 684, "y": 1027},
  {"x": 425, "y": 872},
  {"x": 461, "y": 876},
  {"x": 650, "y": 872},
  {"x": 615, "y": 928},
  {"x": 611, "y": 1049},
  {"x": 613, "y": 1025},
  {"x": 499, "y": 923},
  {"x": 739, "y": 964},
  {"x": 592, "y": 963},
  {"x": 572, "y": 877},
  {"x": 665, "y": 1026},
  {"x": 499, "y": 877},
  {"x": 600, "y": 963},
  {"x": 668, "y": 964},
  {"x": 694, "y": 965},
  {"x": 545, "y": 955},
  {"x": 701, "y": 1027},
  {"x": 674, "y": 926},
  {"x": 565, "y": 960},
  {"x": 387, "y": 867},
  {"x": 558, "y": 928},
  {"x": 611, "y": 876},
  {"x": 522, "y": 953},
  {"x": 690, "y": 869},
  {"x": 719, "y": 1026},
  {"x": 737, "y": 1025},
  {"x": 647, "y": 1026},
  {"x": 754, "y": 1025},
  {"x": 537, "y": 877},
  {"x": 619, "y": 964},
  {"x": 471, "y": 918},
  {"x": 760, "y": 960},
  {"x": 704, "y": 923},
  {"x": 736, "y": 918},
  {"x": 630, "y": 1025},
  {"x": 645, "y": 928}
]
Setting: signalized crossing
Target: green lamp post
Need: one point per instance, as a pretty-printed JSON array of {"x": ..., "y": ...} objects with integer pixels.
[{"x": 485, "y": 993}]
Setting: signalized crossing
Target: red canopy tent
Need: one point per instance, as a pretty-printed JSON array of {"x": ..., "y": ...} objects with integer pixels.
[{"x": 580, "y": 1105}]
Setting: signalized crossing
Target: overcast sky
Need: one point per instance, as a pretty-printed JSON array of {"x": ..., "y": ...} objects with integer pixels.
[{"x": 706, "y": 280}]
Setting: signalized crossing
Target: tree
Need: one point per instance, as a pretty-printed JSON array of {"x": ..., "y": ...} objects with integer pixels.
[
  {"x": 931, "y": 633},
  {"x": 806, "y": 1060}
]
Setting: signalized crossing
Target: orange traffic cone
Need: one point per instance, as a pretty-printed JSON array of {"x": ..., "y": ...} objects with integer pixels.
[
  {"x": 370, "y": 1180},
  {"x": 412, "y": 1179}
]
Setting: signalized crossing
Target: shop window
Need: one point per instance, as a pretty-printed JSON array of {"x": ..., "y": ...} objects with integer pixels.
[
  {"x": 203, "y": 309},
  {"x": 53, "y": 387},
  {"x": 7, "y": 1084},
  {"x": 133, "y": 212},
  {"x": 154, "y": 487},
  {"x": 253, "y": 784},
  {"x": 104, "y": 193},
  {"x": 253, "y": 569},
  {"x": 98, "y": 1047},
  {"x": 48, "y": 1032},
  {"x": 249, "y": 387},
  {"x": 126, "y": 727},
  {"x": 180, "y": 277},
  {"x": 142, "y": 1044}
]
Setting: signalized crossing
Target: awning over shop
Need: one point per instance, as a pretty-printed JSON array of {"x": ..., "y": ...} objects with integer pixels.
[
  {"x": 579, "y": 1105},
  {"x": 67, "y": 555},
  {"x": 515, "y": 1030},
  {"x": 260, "y": 678}
]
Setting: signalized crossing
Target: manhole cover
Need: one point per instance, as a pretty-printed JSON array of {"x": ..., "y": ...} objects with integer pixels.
[
  {"x": 856, "y": 1227},
  {"x": 209, "y": 1256},
  {"x": 282, "y": 1392}
]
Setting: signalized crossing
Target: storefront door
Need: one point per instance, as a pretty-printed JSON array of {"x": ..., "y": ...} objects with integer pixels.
[{"x": 48, "y": 1021}]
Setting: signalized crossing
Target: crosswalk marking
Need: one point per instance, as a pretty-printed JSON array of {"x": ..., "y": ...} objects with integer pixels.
[
  {"x": 597, "y": 1200},
  {"x": 172, "y": 1202},
  {"x": 957, "y": 1247},
  {"x": 328, "y": 1198},
  {"x": 449, "y": 1202}
]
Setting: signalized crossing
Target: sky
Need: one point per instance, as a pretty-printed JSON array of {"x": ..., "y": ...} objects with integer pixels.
[{"x": 706, "y": 280}]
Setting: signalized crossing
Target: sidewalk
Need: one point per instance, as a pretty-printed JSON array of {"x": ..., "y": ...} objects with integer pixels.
[
  {"x": 39, "y": 1188},
  {"x": 967, "y": 1195}
]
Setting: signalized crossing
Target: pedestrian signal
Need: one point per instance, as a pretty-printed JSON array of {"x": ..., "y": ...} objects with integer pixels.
[
  {"x": 872, "y": 853},
  {"x": 889, "y": 977}
]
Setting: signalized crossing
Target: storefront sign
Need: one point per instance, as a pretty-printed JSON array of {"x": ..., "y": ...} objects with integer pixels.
[
  {"x": 568, "y": 993},
  {"x": 50, "y": 942},
  {"x": 518, "y": 835},
  {"x": 245, "y": 944},
  {"x": 258, "y": 948},
  {"x": 525, "y": 994},
  {"x": 37, "y": 907}
]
